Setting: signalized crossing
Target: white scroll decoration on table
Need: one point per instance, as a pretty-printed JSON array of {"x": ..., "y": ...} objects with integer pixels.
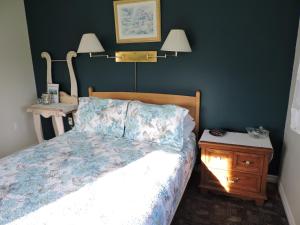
[
  {"x": 64, "y": 97},
  {"x": 74, "y": 88},
  {"x": 47, "y": 56}
]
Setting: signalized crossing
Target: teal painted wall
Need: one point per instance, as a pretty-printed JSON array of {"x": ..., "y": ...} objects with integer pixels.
[{"x": 242, "y": 56}]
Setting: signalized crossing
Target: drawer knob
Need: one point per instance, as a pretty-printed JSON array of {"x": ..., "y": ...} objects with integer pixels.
[
  {"x": 233, "y": 180},
  {"x": 247, "y": 162}
]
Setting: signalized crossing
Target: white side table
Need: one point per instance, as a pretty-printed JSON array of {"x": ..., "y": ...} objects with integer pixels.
[{"x": 55, "y": 111}]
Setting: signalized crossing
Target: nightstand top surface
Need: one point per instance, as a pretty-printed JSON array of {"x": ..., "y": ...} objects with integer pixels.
[
  {"x": 234, "y": 138},
  {"x": 59, "y": 107}
]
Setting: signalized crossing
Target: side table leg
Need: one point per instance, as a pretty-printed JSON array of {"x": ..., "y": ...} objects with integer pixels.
[
  {"x": 38, "y": 127},
  {"x": 58, "y": 125}
]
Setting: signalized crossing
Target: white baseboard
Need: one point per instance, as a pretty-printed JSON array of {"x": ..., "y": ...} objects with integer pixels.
[
  {"x": 272, "y": 179},
  {"x": 286, "y": 205}
]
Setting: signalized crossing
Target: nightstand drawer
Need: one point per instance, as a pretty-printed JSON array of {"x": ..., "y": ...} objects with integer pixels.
[
  {"x": 251, "y": 163},
  {"x": 218, "y": 159},
  {"x": 233, "y": 181}
]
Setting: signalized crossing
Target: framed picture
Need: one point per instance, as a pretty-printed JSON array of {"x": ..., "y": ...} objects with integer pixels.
[
  {"x": 53, "y": 90},
  {"x": 137, "y": 21}
]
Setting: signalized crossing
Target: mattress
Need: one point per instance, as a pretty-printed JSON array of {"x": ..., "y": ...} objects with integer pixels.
[{"x": 81, "y": 178}]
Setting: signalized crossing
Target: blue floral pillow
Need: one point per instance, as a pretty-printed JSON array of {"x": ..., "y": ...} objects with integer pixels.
[
  {"x": 101, "y": 116},
  {"x": 162, "y": 124}
]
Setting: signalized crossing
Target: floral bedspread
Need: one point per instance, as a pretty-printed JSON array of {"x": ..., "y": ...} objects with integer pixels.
[{"x": 79, "y": 178}]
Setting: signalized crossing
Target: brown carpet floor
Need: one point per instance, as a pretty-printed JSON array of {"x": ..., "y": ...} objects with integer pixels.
[{"x": 215, "y": 209}]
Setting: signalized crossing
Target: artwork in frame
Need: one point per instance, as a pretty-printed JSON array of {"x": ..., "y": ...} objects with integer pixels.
[
  {"x": 53, "y": 90},
  {"x": 137, "y": 21}
]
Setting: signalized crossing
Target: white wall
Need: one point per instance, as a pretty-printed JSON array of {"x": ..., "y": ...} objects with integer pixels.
[
  {"x": 17, "y": 85},
  {"x": 290, "y": 175}
]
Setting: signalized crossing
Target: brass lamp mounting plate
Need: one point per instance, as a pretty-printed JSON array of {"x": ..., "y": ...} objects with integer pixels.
[{"x": 136, "y": 56}]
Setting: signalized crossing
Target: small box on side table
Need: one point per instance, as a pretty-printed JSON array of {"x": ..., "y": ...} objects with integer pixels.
[{"x": 235, "y": 164}]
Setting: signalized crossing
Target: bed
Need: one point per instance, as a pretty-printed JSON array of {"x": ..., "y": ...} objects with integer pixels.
[{"x": 83, "y": 178}]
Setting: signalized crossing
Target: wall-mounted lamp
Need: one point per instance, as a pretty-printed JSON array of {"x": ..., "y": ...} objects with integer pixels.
[
  {"x": 89, "y": 43},
  {"x": 175, "y": 42}
]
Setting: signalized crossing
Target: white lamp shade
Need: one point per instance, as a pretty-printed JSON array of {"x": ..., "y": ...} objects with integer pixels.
[
  {"x": 89, "y": 43},
  {"x": 176, "y": 42}
]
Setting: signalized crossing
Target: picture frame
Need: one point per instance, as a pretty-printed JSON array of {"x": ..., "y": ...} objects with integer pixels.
[
  {"x": 137, "y": 21},
  {"x": 53, "y": 90}
]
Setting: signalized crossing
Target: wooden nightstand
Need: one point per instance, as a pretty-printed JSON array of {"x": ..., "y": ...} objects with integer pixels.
[{"x": 235, "y": 164}]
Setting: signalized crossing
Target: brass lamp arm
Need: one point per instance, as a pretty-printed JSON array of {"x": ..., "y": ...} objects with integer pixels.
[
  {"x": 107, "y": 56},
  {"x": 165, "y": 56}
]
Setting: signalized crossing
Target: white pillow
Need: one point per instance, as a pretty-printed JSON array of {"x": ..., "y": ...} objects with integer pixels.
[
  {"x": 162, "y": 124},
  {"x": 101, "y": 116},
  {"x": 188, "y": 125}
]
